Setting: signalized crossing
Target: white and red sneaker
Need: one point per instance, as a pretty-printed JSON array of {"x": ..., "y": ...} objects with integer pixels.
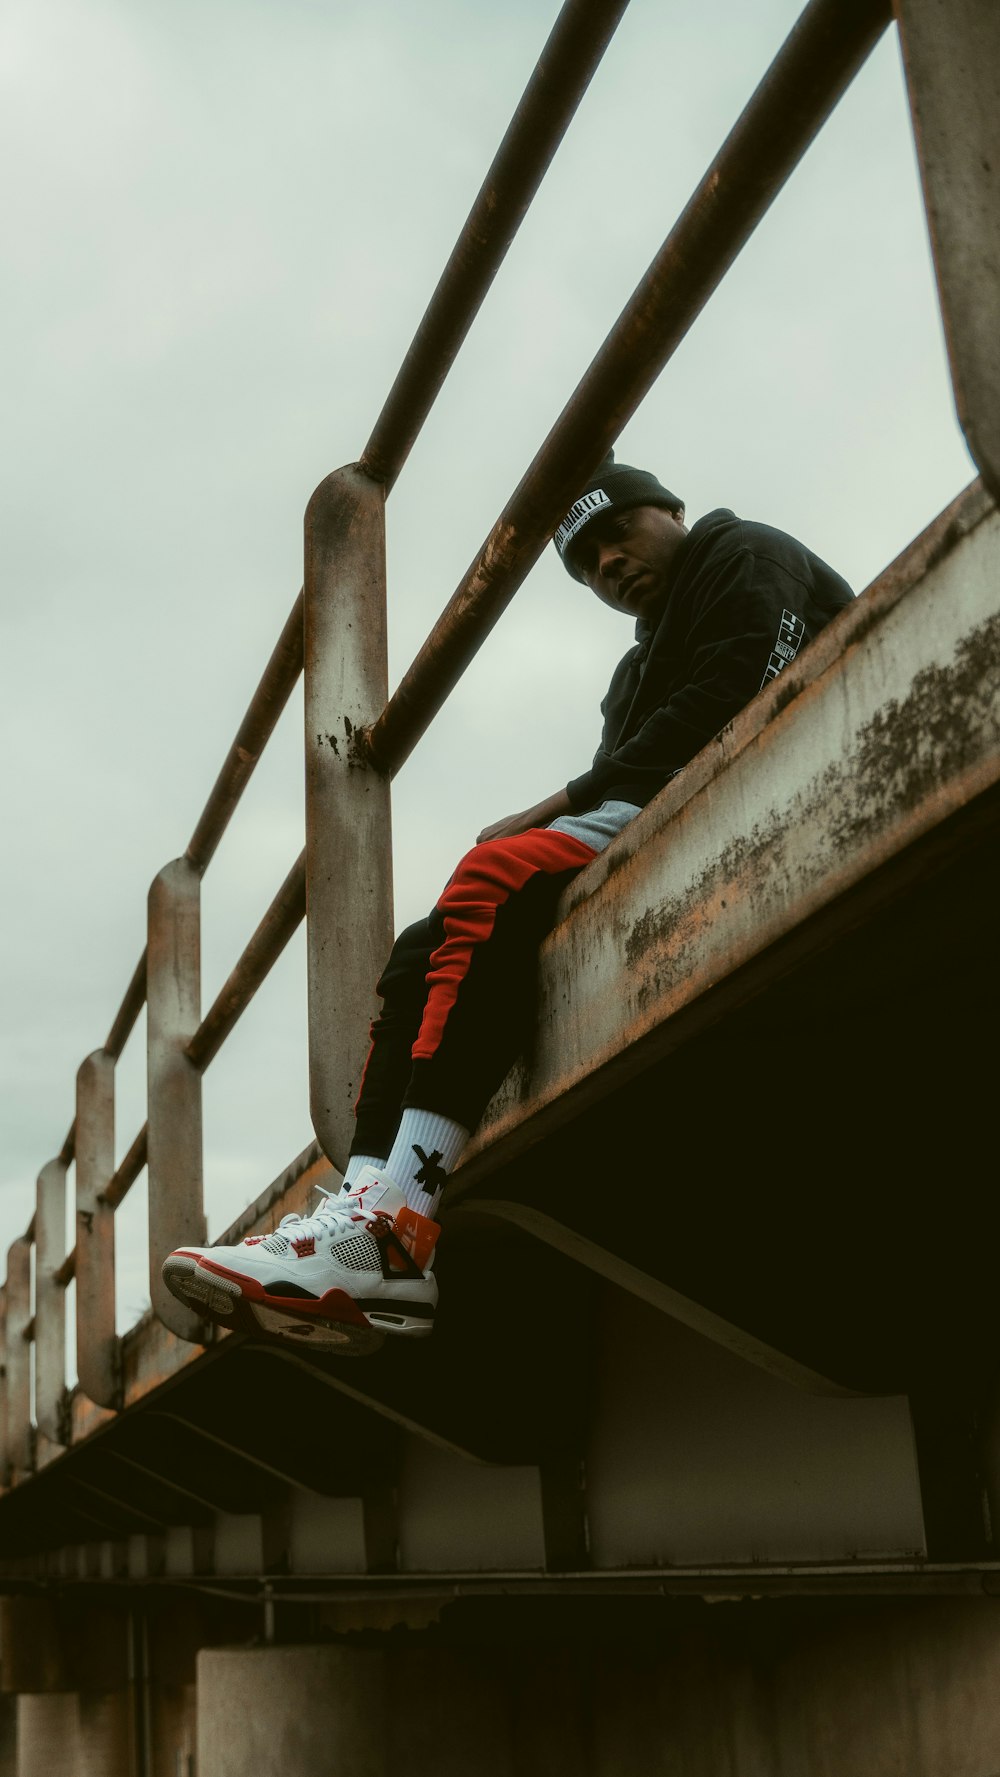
[{"x": 338, "y": 1280}]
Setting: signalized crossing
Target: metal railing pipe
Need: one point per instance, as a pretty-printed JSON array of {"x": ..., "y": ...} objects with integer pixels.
[
  {"x": 128, "y": 1170},
  {"x": 808, "y": 76},
  {"x": 348, "y": 830},
  {"x": 97, "y": 1351},
  {"x": 129, "y": 1010},
  {"x": 50, "y": 1300},
  {"x": 282, "y": 919},
  {"x": 67, "y": 1270},
  {"x": 276, "y": 686},
  {"x": 17, "y": 1383},
  {"x": 564, "y": 70},
  {"x": 173, "y": 1097}
]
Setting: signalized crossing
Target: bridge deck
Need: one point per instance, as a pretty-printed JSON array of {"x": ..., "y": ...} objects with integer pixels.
[{"x": 741, "y": 1156}]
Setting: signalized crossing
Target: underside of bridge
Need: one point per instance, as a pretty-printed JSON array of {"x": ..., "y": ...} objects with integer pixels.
[{"x": 718, "y": 1325}]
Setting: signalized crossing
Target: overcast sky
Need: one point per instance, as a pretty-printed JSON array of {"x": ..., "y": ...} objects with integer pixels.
[{"x": 222, "y": 222}]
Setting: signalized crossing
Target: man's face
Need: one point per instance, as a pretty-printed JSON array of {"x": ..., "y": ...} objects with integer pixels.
[{"x": 627, "y": 557}]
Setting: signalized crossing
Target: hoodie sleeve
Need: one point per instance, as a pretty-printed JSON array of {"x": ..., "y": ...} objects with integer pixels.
[
  {"x": 614, "y": 706},
  {"x": 733, "y": 628}
]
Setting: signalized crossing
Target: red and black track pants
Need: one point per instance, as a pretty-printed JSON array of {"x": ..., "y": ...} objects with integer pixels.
[{"x": 458, "y": 989}]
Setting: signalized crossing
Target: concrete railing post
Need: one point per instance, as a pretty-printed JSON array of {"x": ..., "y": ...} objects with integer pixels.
[
  {"x": 50, "y": 1301},
  {"x": 174, "y": 1143},
  {"x": 48, "y": 1734},
  {"x": 324, "y": 1707},
  {"x": 4, "y": 1416},
  {"x": 97, "y": 1354},
  {"x": 18, "y": 1362},
  {"x": 348, "y": 821},
  {"x": 951, "y": 54}
]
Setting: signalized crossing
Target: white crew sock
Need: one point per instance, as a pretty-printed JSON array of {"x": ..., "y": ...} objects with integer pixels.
[
  {"x": 423, "y": 1153},
  {"x": 355, "y": 1164}
]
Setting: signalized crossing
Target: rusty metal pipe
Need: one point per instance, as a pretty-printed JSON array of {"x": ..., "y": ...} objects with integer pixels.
[
  {"x": 815, "y": 65},
  {"x": 285, "y": 914},
  {"x": 276, "y": 686},
  {"x": 128, "y": 1011},
  {"x": 67, "y": 1270},
  {"x": 561, "y": 76},
  {"x": 121, "y": 1184}
]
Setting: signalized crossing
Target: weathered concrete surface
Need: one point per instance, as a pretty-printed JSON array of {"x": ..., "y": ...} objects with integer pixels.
[
  {"x": 911, "y": 1692},
  {"x": 746, "y": 1690},
  {"x": 279, "y": 1711},
  {"x": 48, "y": 1734},
  {"x": 694, "y": 1457},
  {"x": 914, "y": 1690},
  {"x": 73, "y": 1735}
]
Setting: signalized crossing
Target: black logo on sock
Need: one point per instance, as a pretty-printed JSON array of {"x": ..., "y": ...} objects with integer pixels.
[{"x": 431, "y": 1175}]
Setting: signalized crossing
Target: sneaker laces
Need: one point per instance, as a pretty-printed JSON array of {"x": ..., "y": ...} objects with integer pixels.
[{"x": 337, "y": 1212}]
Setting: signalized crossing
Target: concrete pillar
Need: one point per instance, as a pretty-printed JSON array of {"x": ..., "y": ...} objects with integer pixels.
[
  {"x": 294, "y": 1712},
  {"x": 421, "y": 1712},
  {"x": 47, "y": 1734},
  {"x": 73, "y": 1734}
]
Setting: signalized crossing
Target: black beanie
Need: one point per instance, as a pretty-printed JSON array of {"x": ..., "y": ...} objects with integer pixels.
[{"x": 613, "y": 487}]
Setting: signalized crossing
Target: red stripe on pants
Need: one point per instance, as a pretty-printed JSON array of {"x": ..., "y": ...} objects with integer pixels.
[{"x": 486, "y": 877}]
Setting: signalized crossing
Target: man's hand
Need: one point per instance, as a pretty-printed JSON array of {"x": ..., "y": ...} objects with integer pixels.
[{"x": 539, "y": 816}]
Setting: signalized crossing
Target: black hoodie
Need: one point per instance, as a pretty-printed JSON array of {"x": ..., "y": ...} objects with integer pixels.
[{"x": 743, "y": 600}]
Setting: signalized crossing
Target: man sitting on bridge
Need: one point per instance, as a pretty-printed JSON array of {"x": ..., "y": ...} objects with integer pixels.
[{"x": 719, "y": 611}]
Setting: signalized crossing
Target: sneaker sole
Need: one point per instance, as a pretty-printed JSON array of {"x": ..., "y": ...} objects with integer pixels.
[{"x": 333, "y": 1322}]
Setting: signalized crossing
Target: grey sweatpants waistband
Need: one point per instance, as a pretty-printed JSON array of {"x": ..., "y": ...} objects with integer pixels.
[{"x": 597, "y": 826}]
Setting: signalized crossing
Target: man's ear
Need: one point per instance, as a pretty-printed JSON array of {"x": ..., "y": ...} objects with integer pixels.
[{"x": 679, "y": 514}]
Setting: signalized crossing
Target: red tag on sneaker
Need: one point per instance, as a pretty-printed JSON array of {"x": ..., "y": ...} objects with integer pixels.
[{"x": 418, "y": 1234}]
